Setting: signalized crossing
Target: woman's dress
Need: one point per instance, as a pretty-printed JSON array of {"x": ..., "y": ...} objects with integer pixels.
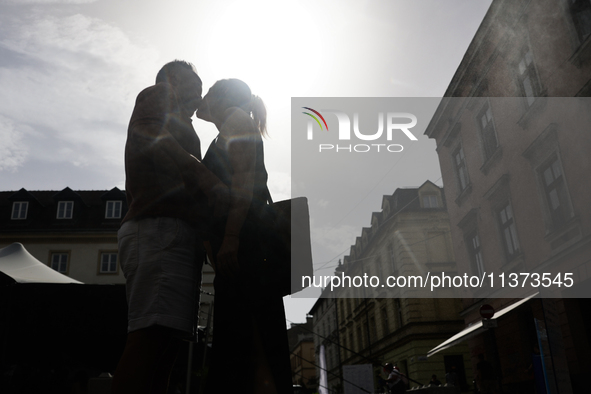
[{"x": 242, "y": 302}]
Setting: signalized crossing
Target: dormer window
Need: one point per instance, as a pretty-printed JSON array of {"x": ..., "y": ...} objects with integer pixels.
[
  {"x": 113, "y": 210},
  {"x": 430, "y": 201},
  {"x": 19, "y": 210},
  {"x": 65, "y": 209}
]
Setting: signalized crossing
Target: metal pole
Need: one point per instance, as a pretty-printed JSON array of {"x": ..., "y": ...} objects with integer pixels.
[
  {"x": 336, "y": 307},
  {"x": 189, "y": 368},
  {"x": 207, "y": 328}
]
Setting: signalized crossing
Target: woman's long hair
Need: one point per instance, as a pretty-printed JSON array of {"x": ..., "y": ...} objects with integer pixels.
[{"x": 235, "y": 93}]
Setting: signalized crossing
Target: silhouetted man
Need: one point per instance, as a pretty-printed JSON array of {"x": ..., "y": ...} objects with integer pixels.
[{"x": 170, "y": 195}]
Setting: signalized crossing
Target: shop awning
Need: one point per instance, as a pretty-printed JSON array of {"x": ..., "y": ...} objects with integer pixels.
[{"x": 475, "y": 328}]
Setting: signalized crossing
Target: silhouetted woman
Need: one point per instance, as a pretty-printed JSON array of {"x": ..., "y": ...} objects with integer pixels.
[{"x": 249, "y": 337}]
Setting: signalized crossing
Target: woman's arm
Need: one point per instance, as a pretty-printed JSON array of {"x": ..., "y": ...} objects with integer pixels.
[{"x": 239, "y": 134}]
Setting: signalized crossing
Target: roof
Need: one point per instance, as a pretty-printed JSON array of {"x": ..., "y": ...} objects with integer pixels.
[
  {"x": 88, "y": 211},
  {"x": 403, "y": 200}
]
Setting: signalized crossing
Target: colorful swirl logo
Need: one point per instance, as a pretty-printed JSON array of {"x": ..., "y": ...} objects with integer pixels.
[{"x": 315, "y": 118}]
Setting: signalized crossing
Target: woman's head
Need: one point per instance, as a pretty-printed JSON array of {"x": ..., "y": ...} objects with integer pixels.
[{"x": 228, "y": 93}]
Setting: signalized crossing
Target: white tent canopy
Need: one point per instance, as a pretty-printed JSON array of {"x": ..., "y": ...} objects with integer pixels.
[{"x": 20, "y": 265}]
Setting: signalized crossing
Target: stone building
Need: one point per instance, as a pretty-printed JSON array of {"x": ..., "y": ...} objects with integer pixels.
[
  {"x": 303, "y": 360},
  {"x": 409, "y": 236},
  {"x": 75, "y": 233},
  {"x": 513, "y": 142},
  {"x": 325, "y": 327}
]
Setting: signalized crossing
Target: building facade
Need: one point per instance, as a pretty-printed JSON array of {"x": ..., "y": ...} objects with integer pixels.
[
  {"x": 327, "y": 342},
  {"x": 300, "y": 338},
  {"x": 75, "y": 233},
  {"x": 409, "y": 236},
  {"x": 512, "y": 139}
]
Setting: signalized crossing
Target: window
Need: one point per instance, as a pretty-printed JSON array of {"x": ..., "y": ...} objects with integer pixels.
[
  {"x": 508, "y": 231},
  {"x": 528, "y": 77},
  {"x": 581, "y": 13},
  {"x": 385, "y": 325},
  {"x": 19, "y": 210},
  {"x": 555, "y": 191},
  {"x": 437, "y": 248},
  {"x": 557, "y": 209},
  {"x": 113, "y": 210},
  {"x": 430, "y": 201},
  {"x": 487, "y": 131},
  {"x": 460, "y": 167},
  {"x": 373, "y": 329},
  {"x": 359, "y": 339},
  {"x": 64, "y": 209},
  {"x": 474, "y": 249},
  {"x": 398, "y": 309},
  {"x": 365, "y": 333},
  {"x": 59, "y": 262},
  {"x": 392, "y": 258},
  {"x": 379, "y": 268},
  {"x": 108, "y": 264}
]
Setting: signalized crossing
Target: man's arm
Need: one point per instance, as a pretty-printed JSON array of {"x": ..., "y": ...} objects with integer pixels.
[
  {"x": 197, "y": 178},
  {"x": 150, "y": 137}
]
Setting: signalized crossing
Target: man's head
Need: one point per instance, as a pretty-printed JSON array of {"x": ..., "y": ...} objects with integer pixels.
[
  {"x": 185, "y": 81},
  {"x": 169, "y": 73}
]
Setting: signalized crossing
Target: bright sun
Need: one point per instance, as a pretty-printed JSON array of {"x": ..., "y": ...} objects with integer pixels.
[{"x": 273, "y": 46}]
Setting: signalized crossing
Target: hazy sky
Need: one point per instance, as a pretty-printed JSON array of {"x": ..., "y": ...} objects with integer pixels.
[{"x": 70, "y": 71}]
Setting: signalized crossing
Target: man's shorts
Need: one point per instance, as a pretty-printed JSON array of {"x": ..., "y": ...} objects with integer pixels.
[{"x": 161, "y": 260}]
